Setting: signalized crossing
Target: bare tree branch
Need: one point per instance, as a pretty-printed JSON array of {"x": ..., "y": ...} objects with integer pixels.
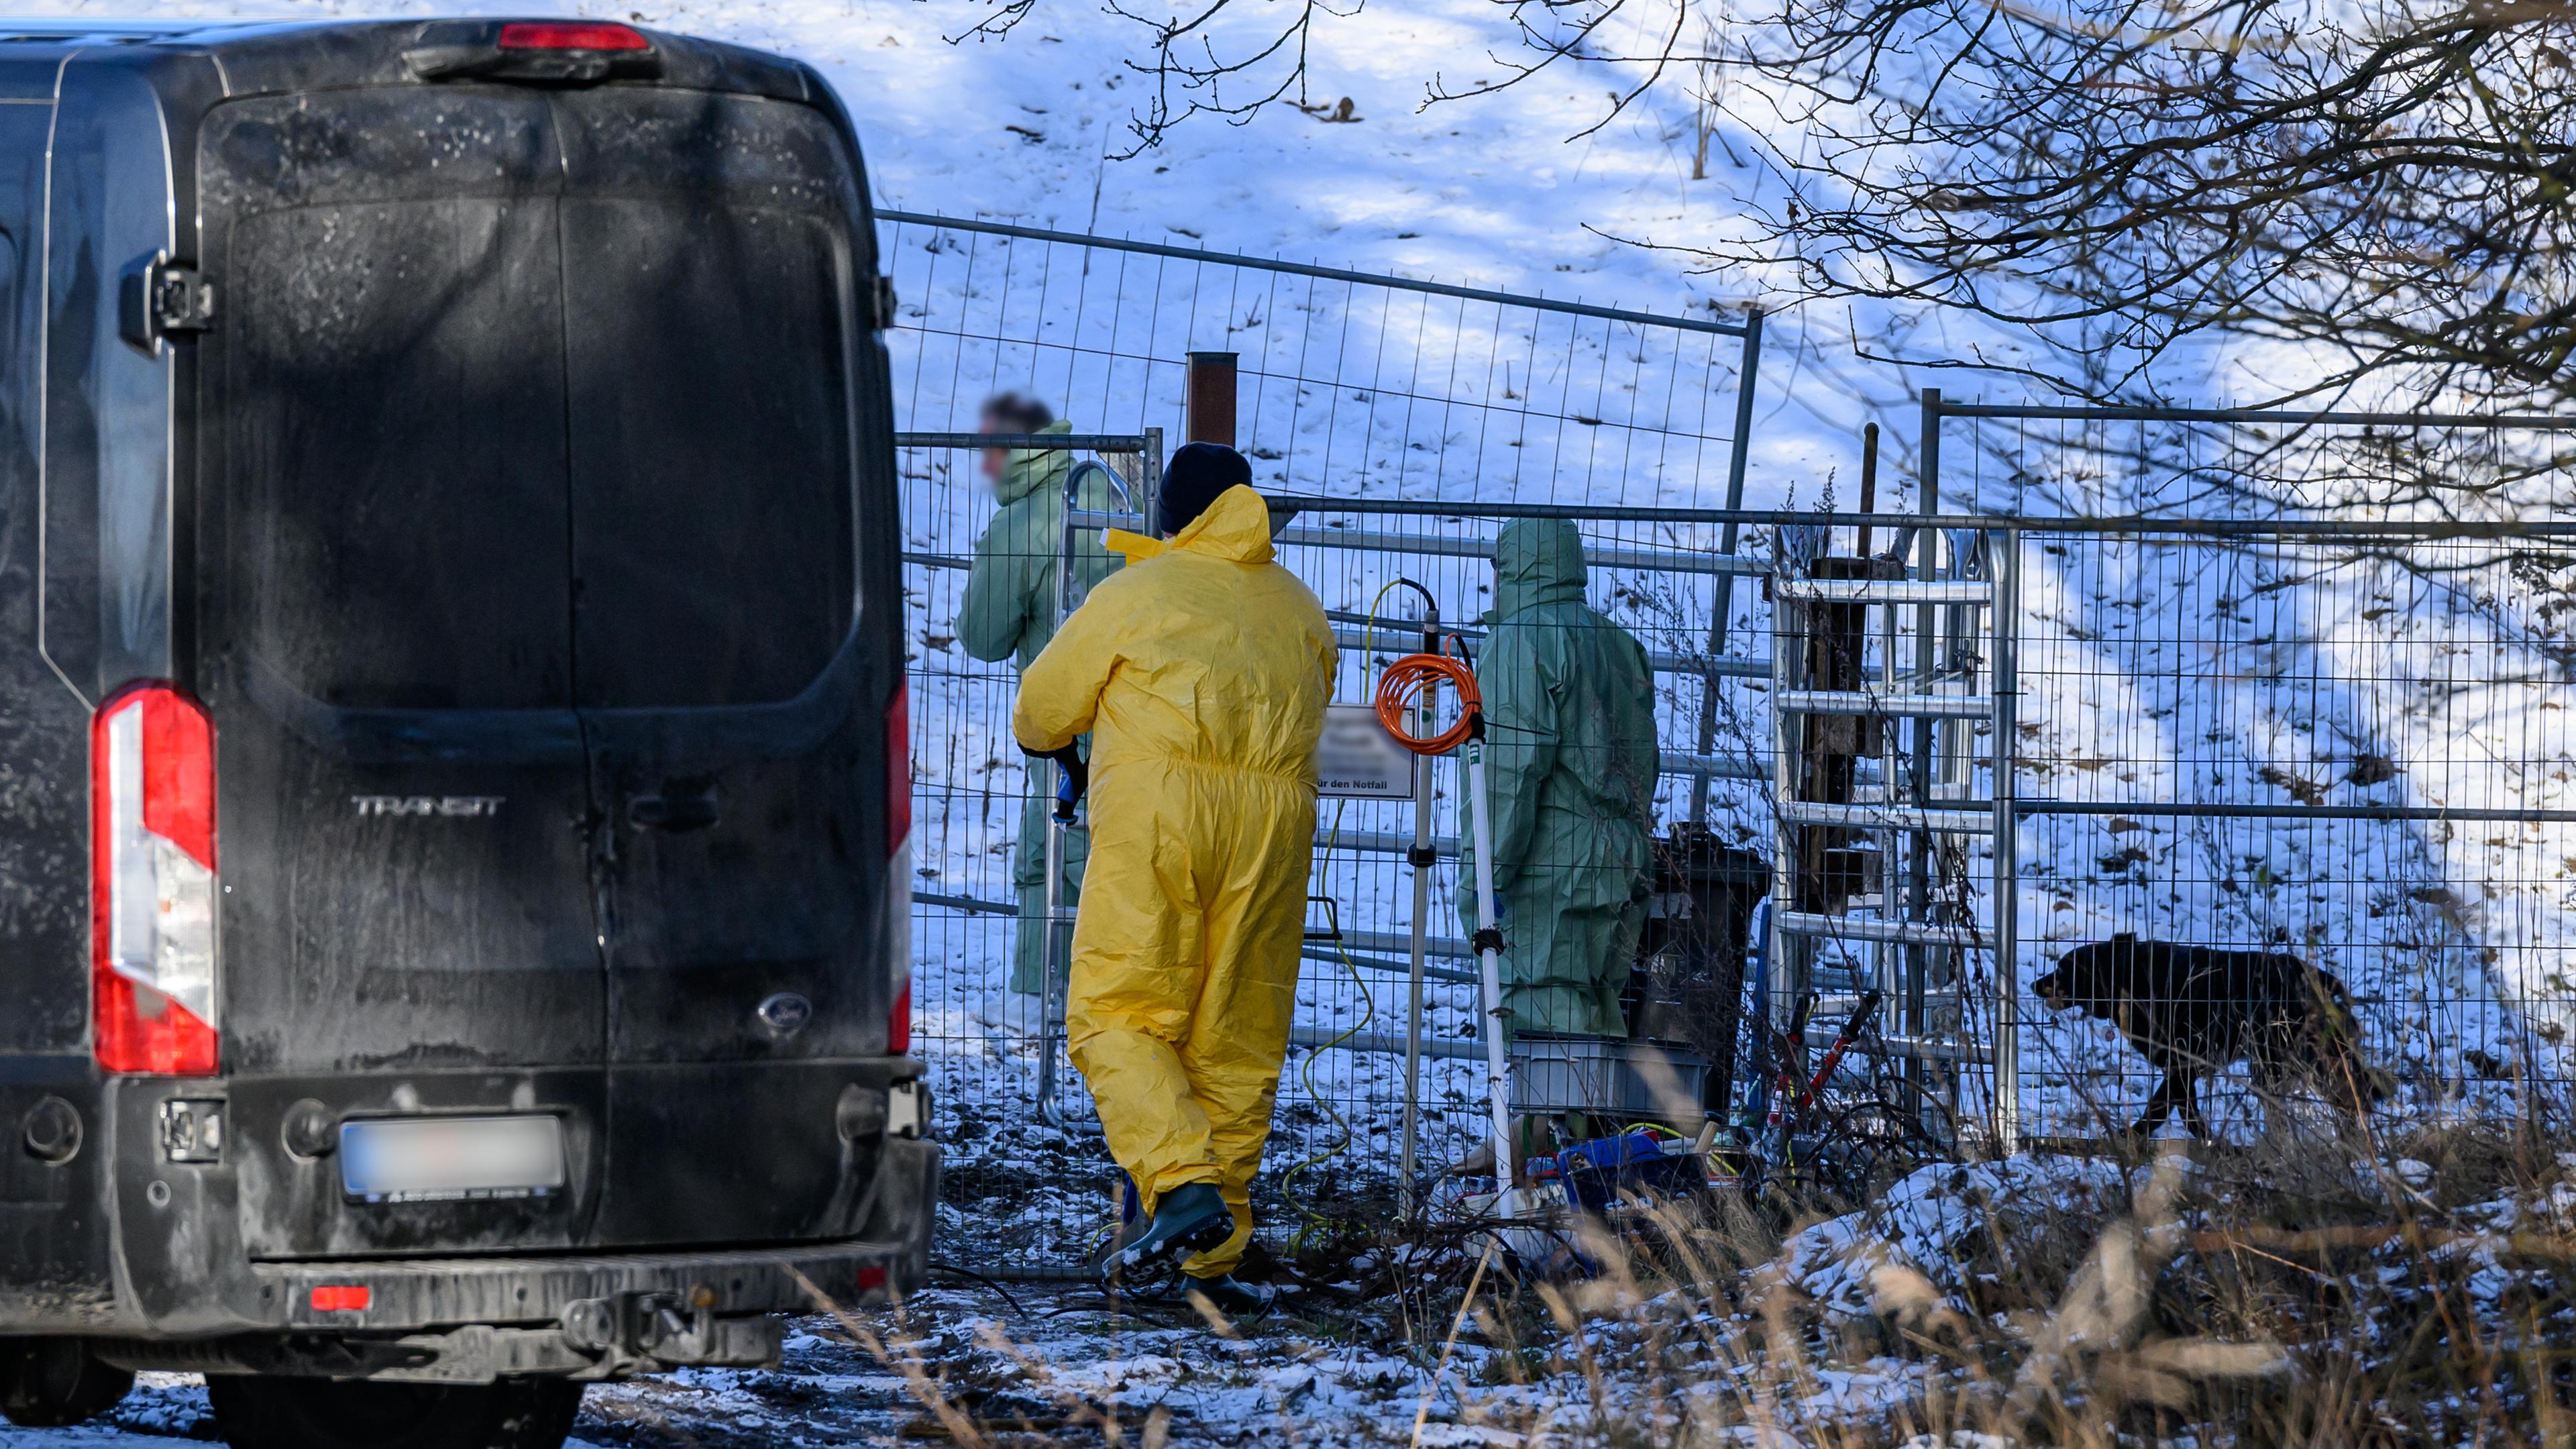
[{"x": 2387, "y": 189}]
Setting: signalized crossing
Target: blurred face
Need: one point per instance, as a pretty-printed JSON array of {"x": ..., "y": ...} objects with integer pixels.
[{"x": 992, "y": 461}]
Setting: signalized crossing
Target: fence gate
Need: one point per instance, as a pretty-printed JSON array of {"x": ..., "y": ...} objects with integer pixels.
[{"x": 1415, "y": 420}]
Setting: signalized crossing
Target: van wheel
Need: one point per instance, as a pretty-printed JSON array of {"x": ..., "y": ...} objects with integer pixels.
[
  {"x": 47, "y": 1383},
  {"x": 295, "y": 1413}
]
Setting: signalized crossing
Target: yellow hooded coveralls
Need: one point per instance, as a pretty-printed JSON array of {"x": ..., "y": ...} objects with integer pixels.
[{"x": 1201, "y": 672}]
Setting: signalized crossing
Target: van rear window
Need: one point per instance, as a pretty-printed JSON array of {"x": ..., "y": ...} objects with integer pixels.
[
  {"x": 710, "y": 451},
  {"x": 395, "y": 427},
  {"x": 528, "y": 451}
]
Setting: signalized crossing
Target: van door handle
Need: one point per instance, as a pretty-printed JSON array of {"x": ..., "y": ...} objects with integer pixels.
[{"x": 673, "y": 812}]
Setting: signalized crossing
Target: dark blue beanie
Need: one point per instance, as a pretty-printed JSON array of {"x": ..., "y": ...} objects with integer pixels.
[{"x": 1198, "y": 473}]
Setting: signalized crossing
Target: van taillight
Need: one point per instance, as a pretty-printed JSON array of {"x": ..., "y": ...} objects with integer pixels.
[
  {"x": 571, "y": 35},
  {"x": 152, "y": 882},
  {"x": 898, "y": 771},
  {"x": 898, "y": 893}
]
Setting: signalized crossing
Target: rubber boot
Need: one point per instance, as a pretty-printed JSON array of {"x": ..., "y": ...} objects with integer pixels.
[{"x": 1191, "y": 1218}]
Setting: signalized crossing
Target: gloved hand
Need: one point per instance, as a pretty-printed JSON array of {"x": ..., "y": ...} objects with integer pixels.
[{"x": 1072, "y": 781}]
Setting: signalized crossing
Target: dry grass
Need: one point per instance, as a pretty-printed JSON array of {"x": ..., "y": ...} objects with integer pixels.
[{"x": 2419, "y": 1290}]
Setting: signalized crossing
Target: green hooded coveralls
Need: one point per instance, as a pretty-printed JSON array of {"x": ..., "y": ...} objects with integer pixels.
[
  {"x": 1570, "y": 766},
  {"x": 1010, "y": 612}
]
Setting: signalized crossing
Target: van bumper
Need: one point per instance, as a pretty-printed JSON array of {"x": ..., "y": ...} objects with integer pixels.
[
  {"x": 407, "y": 1294},
  {"x": 589, "y": 1314},
  {"x": 583, "y": 1316},
  {"x": 182, "y": 1269}
]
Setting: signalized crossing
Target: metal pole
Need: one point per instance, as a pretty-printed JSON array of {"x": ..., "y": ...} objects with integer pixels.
[
  {"x": 1059, "y": 917},
  {"x": 1051, "y": 995},
  {"x": 1885, "y": 965},
  {"x": 1788, "y": 642},
  {"x": 2007, "y": 1004},
  {"x": 1422, "y": 857},
  {"x": 1737, "y": 451},
  {"x": 1149, "y": 490},
  {"x": 1489, "y": 955},
  {"x": 1918, "y": 867}
]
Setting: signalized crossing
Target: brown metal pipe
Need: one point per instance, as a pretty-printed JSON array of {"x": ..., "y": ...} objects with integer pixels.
[
  {"x": 1868, "y": 482},
  {"x": 1211, "y": 398}
]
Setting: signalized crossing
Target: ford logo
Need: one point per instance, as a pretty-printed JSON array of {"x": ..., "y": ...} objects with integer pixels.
[{"x": 783, "y": 1015}]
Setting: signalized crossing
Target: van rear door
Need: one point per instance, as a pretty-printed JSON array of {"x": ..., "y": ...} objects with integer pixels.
[
  {"x": 551, "y": 732},
  {"x": 730, "y": 698},
  {"x": 407, "y": 915}
]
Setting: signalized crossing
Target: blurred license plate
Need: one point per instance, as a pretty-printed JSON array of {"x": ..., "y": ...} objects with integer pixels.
[{"x": 430, "y": 1159}]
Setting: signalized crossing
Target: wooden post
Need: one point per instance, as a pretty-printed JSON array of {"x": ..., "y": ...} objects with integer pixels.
[{"x": 1211, "y": 398}]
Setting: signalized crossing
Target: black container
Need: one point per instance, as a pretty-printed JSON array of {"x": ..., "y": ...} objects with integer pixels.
[{"x": 1688, "y": 987}]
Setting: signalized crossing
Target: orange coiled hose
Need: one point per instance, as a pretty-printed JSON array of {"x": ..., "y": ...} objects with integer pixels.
[{"x": 1400, "y": 691}]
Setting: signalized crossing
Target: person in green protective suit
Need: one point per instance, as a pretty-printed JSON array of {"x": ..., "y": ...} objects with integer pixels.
[
  {"x": 1570, "y": 766},
  {"x": 1010, "y": 612}
]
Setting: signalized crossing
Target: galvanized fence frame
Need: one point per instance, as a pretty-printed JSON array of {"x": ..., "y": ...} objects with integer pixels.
[
  {"x": 1457, "y": 537},
  {"x": 1116, "y": 368},
  {"x": 2512, "y": 1035},
  {"x": 1951, "y": 636}
]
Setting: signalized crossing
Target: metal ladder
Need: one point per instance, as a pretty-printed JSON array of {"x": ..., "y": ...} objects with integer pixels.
[{"x": 1917, "y": 655}]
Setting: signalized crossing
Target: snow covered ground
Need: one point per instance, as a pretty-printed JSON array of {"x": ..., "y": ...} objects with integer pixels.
[
  {"x": 1052, "y": 1366},
  {"x": 1982, "y": 1295}
]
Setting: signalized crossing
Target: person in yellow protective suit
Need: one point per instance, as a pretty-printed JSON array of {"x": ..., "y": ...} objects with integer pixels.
[{"x": 1201, "y": 671}]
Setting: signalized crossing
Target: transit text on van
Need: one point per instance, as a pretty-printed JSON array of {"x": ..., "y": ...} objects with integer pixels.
[{"x": 457, "y": 805}]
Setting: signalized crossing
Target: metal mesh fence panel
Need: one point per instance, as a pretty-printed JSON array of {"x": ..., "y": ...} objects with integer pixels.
[
  {"x": 1339, "y": 1118},
  {"x": 2262, "y": 796},
  {"x": 2292, "y": 761},
  {"x": 1352, "y": 385},
  {"x": 2320, "y": 784},
  {"x": 1353, "y": 388}
]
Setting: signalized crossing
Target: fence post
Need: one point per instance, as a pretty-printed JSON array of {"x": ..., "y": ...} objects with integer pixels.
[
  {"x": 1927, "y": 567},
  {"x": 1149, "y": 493},
  {"x": 1056, "y": 958},
  {"x": 1788, "y": 650},
  {"x": 2007, "y": 986},
  {"x": 1735, "y": 459},
  {"x": 1210, "y": 414},
  {"x": 1868, "y": 485}
]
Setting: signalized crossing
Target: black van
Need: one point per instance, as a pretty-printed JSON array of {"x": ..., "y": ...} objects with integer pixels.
[{"x": 453, "y": 809}]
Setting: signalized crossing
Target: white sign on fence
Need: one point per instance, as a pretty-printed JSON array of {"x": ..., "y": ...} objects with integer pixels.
[{"x": 1356, "y": 759}]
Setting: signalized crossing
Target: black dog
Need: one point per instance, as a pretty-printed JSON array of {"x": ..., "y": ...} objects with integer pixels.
[{"x": 2191, "y": 1011}]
